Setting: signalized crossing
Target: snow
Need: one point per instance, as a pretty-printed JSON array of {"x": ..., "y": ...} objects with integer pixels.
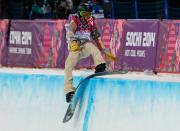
[{"x": 167, "y": 77}]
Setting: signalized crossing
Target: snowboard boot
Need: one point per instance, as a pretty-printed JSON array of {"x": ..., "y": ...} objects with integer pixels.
[
  {"x": 100, "y": 68},
  {"x": 69, "y": 96}
]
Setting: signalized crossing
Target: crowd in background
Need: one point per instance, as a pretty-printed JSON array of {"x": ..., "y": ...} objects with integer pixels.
[
  {"x": 116, "y": 9},
  {"x": 49, "y": 9}
]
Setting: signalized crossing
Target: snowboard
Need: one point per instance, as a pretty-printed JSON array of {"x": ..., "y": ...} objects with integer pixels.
[{"x": 72, "y": 106}]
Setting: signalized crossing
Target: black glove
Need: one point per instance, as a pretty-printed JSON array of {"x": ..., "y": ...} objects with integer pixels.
[{"x": 69, "y": 96}]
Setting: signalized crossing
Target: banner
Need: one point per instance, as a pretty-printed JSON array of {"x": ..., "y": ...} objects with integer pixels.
[
  {"x": 4, "y": 26},
  {"x": 168, "y": 54},
  {"x": 36, "y": 43},
  {"x": 20, "y": 43},
  {"x": 139, "y": 44},
  {"x": 50, "y": 38},
  {"x": 111, "y": 33}
]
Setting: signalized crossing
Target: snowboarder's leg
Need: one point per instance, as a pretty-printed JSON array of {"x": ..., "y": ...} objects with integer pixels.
[
  {"x": 99, "y": 62},
  {"x": 70, "y": 63}
]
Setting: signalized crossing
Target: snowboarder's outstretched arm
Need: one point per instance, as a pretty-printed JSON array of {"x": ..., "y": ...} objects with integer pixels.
[
  {"x": 102, "y": 48},
  {"x": 96, "y": 36}
]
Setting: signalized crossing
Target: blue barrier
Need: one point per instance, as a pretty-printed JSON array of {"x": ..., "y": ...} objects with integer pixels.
[{"x": 36, "y": 102}]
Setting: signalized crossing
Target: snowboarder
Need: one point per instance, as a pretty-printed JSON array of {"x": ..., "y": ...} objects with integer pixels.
[{"x": 81, "y": 32}]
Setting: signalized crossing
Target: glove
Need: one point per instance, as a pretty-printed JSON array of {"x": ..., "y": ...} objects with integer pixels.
[
  {"x": 69, "y": 96},
  {"x": 74, "y": 46},
  {"x": 109, "y": 55}
]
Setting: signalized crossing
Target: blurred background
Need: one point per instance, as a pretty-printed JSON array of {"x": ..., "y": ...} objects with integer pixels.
[{"x": 115, "y": 9}]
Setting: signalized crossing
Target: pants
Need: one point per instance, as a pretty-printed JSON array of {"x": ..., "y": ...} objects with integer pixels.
[{"x": 74, "y": 57}]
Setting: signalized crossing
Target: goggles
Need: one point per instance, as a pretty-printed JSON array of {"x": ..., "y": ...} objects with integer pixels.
[{"x": 85, "y": 14}]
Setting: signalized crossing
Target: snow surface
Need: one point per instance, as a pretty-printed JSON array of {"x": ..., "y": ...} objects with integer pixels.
[
  {"x": 168, "y": 77},
  {"x": 121, "y": 102}
]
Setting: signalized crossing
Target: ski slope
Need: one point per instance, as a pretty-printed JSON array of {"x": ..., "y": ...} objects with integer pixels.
[{"x": 33, "y": 100}]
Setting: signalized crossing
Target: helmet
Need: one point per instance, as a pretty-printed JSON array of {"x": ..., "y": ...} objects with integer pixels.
[
  {"x": 85, "y": 10},
  {"x": 85, "y": 7}
]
